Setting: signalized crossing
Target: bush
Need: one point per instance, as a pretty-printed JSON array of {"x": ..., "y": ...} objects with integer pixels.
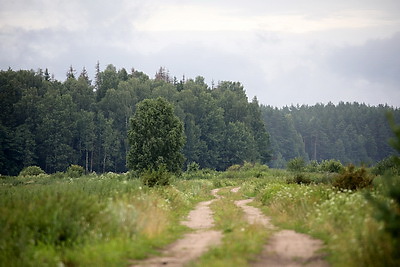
[
  {"x": 193, "y": 167},
  {"x": 388, "y": 164},
  {"x": 75, "y": 171},
  {"x": 331, "y": 166},
  {"x": 234, "y": 168},
  {"x": 159, "y": 177},
  {"x": 299, "y": 178},
  {"x": 247, "y": 166},
  {"x": 353, "y": 179},
  {"x": 31, "y": 171},
  {"x": 296, "y": 165},
  {"x": 313, "y": 166}
]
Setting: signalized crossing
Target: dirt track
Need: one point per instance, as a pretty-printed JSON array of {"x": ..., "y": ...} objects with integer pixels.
[
  {"x": 285, "y": 248},
  {"x": 192, "y": 245}
]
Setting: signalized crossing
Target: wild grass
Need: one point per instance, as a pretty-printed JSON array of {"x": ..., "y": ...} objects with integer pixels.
[
  {"x": 241, "y": 242},
  {"x": 344, "y": 220},
  {"x": 103, "y": 220}
]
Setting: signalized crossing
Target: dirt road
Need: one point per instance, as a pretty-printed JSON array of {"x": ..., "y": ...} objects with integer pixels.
[
  {"x": 192, "y": 245},
  {"x": 285, "y": 247}
]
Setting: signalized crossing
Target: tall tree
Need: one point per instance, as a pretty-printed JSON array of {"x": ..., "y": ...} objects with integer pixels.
[{"x": 155, "y": 137}]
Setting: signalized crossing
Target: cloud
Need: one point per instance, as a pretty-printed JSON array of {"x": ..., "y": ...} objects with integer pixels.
[
  {"x": 198, "y": 17},
  {"x": 282, "y": 51},
  {"x": 375, "y": 61}
]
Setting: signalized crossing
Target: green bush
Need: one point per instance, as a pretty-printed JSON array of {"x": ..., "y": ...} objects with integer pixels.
[
  {"x": 31, "y": 171},
  {"x": 313, "y": 166},
  {"x": 388, "y": 164},
  {"x": 353, "y": 179},
  {"x": 247, "y": 166},
  {"x": 159, "y": 177},
  {"x": 299, "y": 178},
  {"x": 234, "y": 168},
  {"x": 331, "y": 166},
  {"x": 75, "y": 171},
  {"x": 193, "y": 167},
  {"x": 296, "y": 165}
]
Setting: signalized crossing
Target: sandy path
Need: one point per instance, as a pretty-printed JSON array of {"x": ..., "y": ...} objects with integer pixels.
[
  {"x": 192, "y": 245},
  {"x": 286, "y": 247}
]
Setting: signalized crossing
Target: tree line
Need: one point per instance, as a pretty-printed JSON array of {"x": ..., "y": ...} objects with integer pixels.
[
  {"x": 54, "y": 124},
  {"x": 349, "y": 132}
]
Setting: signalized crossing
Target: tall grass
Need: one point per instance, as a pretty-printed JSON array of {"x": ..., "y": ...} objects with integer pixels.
[
  {"x": 343, "y": 219},
  {"x": 93, "y": 220}
]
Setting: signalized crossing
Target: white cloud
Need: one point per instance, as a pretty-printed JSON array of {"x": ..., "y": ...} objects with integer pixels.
[
  {"x": 208, "y": 19},
  {"x": 280, "y": 50}
]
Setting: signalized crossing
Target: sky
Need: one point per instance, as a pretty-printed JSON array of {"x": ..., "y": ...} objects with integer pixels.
[{"x": 283, "y": 52}]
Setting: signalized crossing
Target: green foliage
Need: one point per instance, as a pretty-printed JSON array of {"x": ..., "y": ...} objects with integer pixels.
[
  {"x": 331, "y": 166},
  {"x": 75, "y": 171},
  {"x": 234, "y": 168},
  {"x": 349, "y": 132},
  {"x": 103, "y": 220},
  {"x": 342, "y": 219},
  {"x": 159, "y": 177},
  {"x": 296, "y": 165},
  {"x": 193, "y": 167},
  {"x": 299, "y": 178},
  {"x": 31, "y": 171},
  {"x": 389, "y": 164},
  {"x": 313, "y": 166},
  {"x": 353, "y": 179},
  {"x": 387, "y": 208},
  {"x": 156, "y": 137}
]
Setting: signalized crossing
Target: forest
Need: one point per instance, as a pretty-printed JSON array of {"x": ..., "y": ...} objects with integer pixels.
[
  {"x": 348, "y": 132},
  {"x": 53, "y": 124}
]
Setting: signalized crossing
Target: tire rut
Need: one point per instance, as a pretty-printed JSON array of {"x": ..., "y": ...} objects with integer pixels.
[
  {"x": 194, "y": 244},
  {"x": 285, "y": 247}
]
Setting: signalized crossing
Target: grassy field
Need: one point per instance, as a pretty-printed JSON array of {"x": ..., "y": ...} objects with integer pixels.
[{"x": 110, "y": 219}]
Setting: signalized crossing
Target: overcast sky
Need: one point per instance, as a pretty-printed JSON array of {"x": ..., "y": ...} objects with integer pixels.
[{"x": 284, "y": 52}]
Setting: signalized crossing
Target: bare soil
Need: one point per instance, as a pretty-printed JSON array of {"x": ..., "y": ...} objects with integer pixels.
[
  {"x": 285, "y": 247},
  {"x": 192, "y": 245}
]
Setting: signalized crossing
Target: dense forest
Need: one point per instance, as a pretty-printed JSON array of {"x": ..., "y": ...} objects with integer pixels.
[
  {"x": 54, "y": 124},
  {"x": 349, "y": 132}
]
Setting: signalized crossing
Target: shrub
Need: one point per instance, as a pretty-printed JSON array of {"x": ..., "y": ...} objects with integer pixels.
[
  {"x": 297, "y": 164},
  {"x": 353, "y": 179},
  {"x": 313, "y": 166},
  {"x": 299, "y": 178},
  {"x": 75, "y": 171},
  {"x": 388, "y": 164},
  {"x": 331, "y": 166},
  {"x": 193, "y": 167},
  {"x": 234, "y": 168},
  {"x": 31, "y": 171},
  {"x": 159, "y": 177},
  {"x": 247, "y": 166}
]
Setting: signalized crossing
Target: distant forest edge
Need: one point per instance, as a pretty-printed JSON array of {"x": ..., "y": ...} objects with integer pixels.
[{"x": 54, "y": 124}]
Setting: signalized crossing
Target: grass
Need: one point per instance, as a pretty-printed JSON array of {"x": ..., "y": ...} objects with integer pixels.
[
  {"x": 103, "y": 220},
  {"x": 110, "y": 219},
  {"x": 342, "y": 219},
  {"x": 241, "y": 242}
]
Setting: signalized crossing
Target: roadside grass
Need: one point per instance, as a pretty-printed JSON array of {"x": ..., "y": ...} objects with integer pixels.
[
  {"x": 241, "y": 243},
  {"x": 103, "y": 220},
  {"x": 342, "y": 219}
]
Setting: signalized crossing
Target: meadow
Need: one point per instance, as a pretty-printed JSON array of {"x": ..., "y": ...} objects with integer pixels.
[{"x": 112, "y": 219}]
